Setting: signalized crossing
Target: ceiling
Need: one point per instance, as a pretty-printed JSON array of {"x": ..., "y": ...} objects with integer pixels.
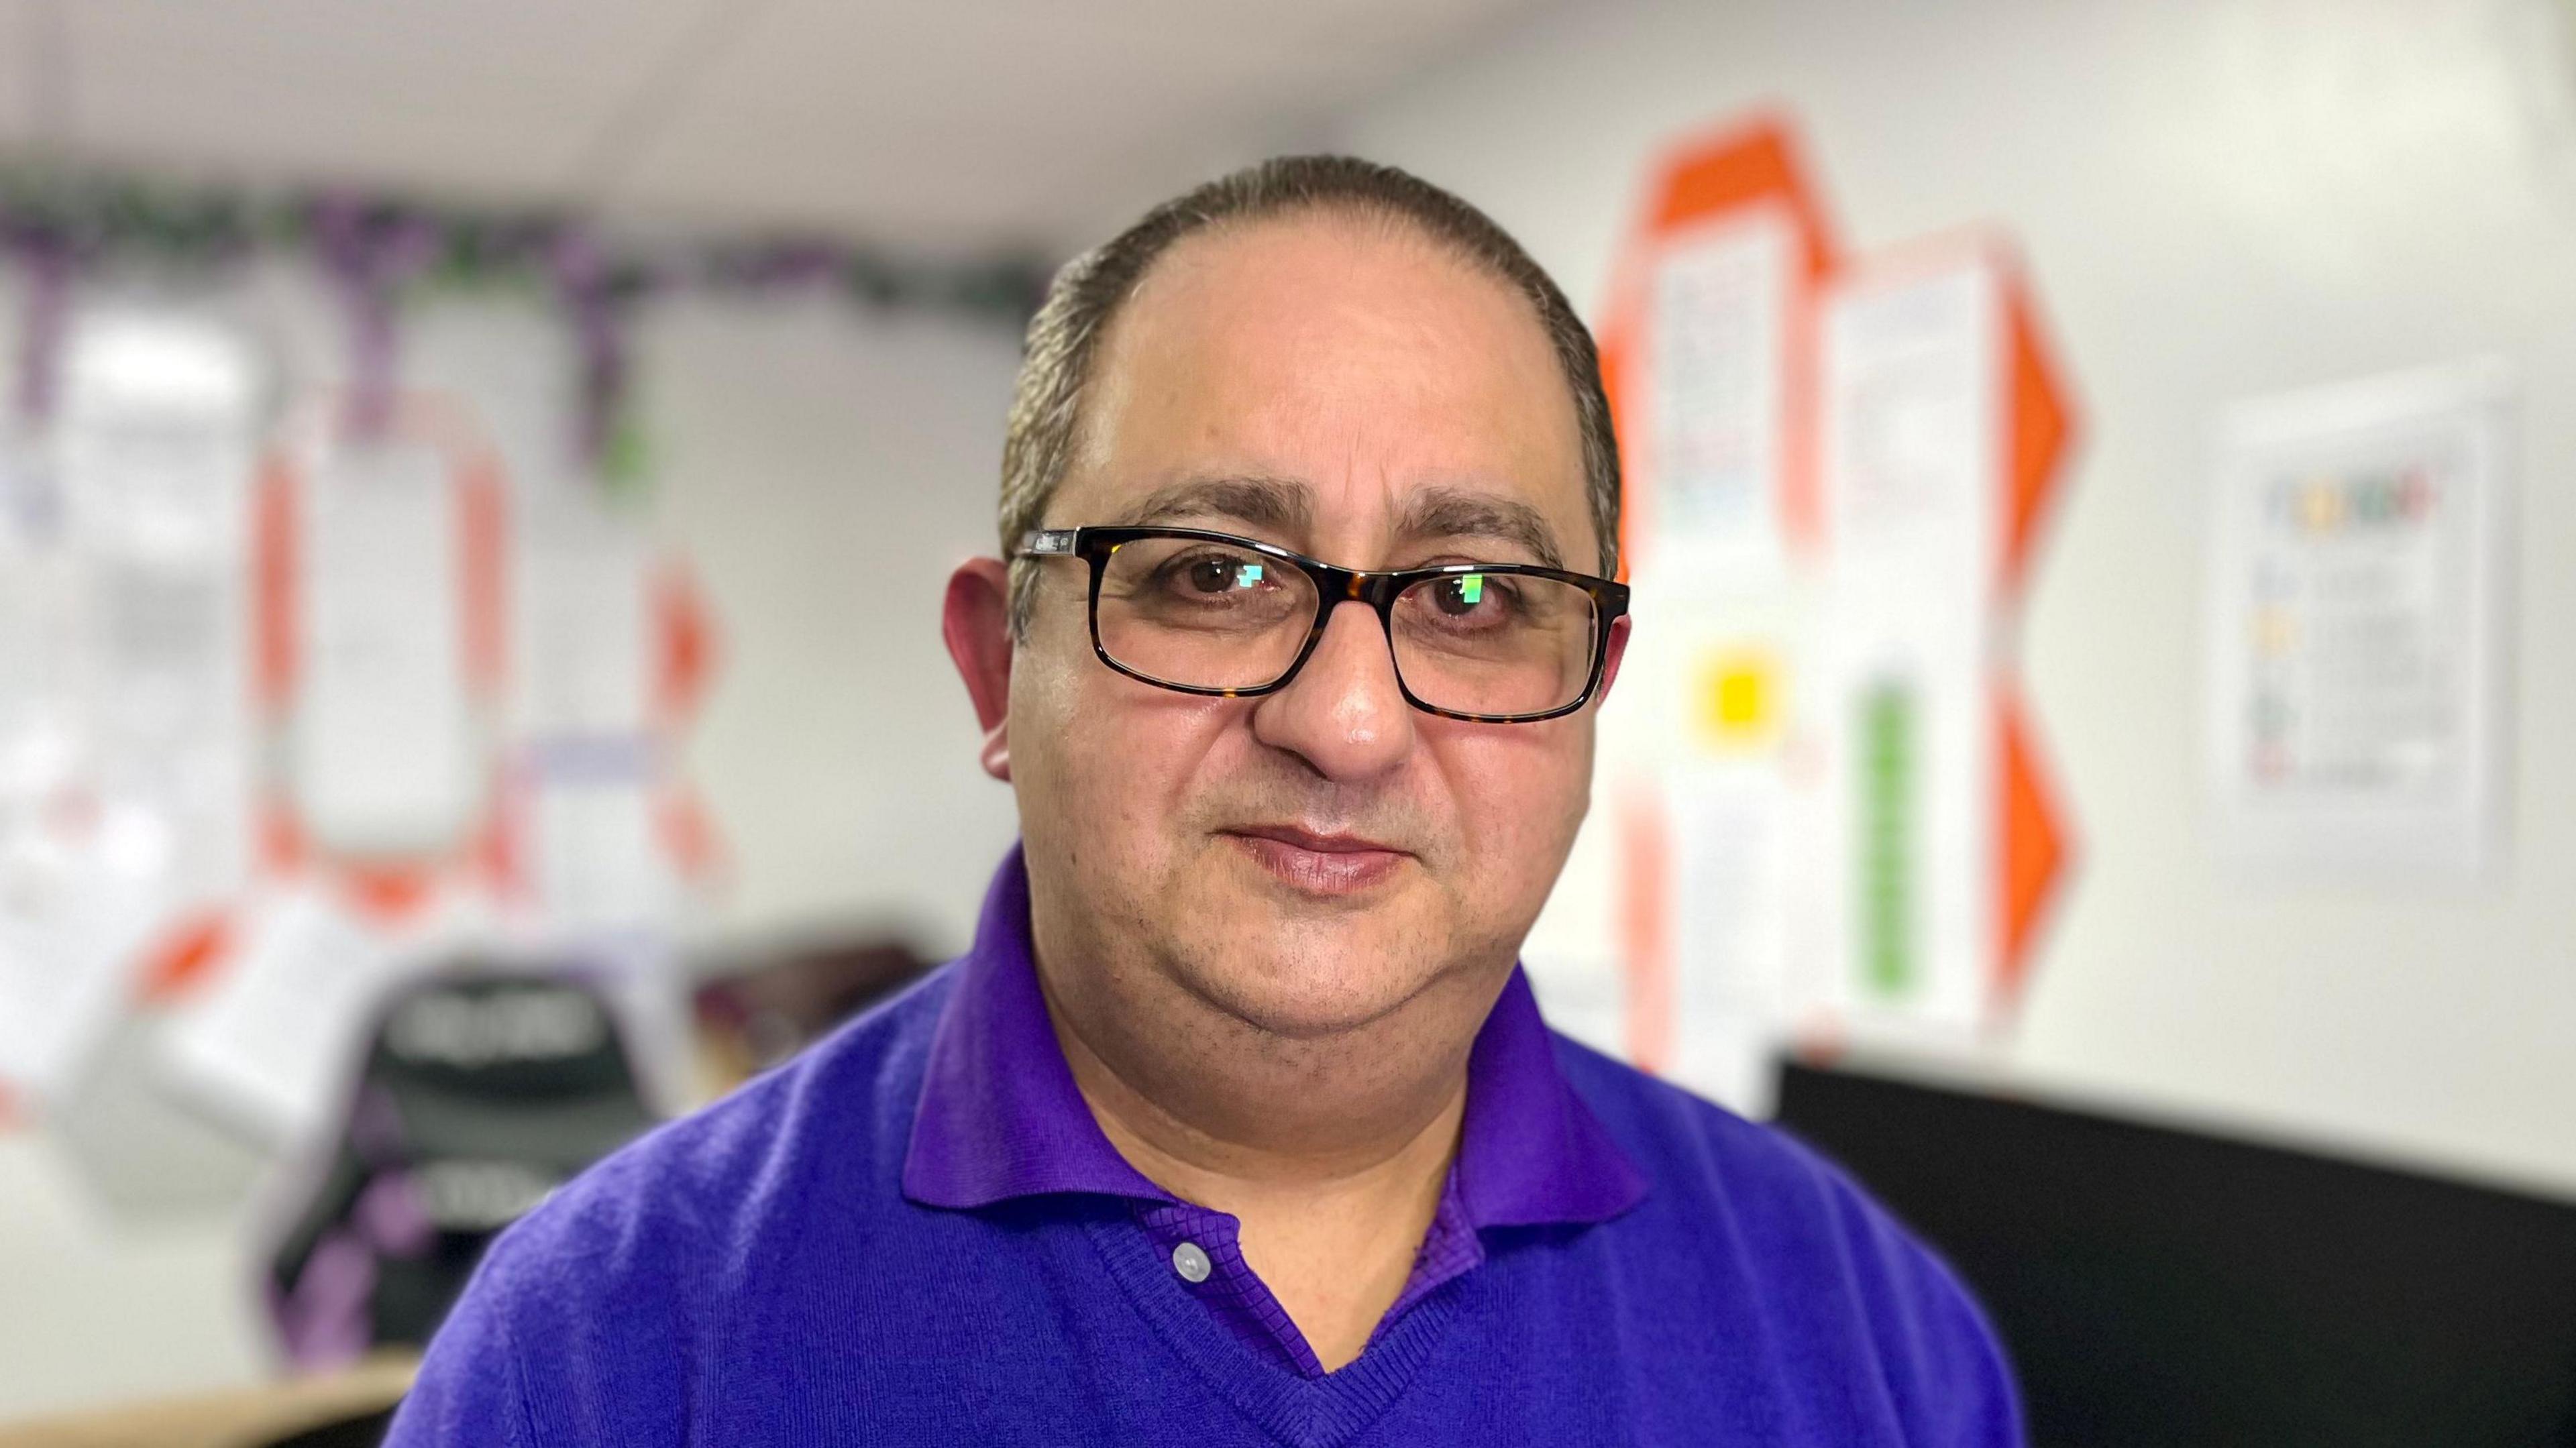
[{"x": 976, "y": 125}]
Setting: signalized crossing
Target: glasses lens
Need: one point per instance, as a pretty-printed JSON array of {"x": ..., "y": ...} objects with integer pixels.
[
  {"x": 1203, "y": 615},
  {"x": 1494, "y": 643}
]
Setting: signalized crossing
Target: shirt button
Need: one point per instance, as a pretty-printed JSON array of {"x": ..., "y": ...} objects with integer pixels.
[{"x": 1190, "y": 1262}]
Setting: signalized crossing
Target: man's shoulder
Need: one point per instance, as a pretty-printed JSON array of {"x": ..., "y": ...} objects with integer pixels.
[
  {"x": 597, "y": 1311},
  {"x": 1791, "y": 1226},
  {"x": 707, "y": 1190},
  {"x": 1701, "y": 1158},
  {"x": 1686, "y": 1143}
]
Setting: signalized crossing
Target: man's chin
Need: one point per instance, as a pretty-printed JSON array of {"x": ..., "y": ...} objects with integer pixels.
[
  {"x": 1295, "y": 1009},
  {"x": 1290, "y": 969},
  {"x": 1298, "y": 957}
]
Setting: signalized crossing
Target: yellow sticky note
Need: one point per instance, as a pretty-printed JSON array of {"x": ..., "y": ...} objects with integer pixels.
[{"x": 1739, "y": 698}]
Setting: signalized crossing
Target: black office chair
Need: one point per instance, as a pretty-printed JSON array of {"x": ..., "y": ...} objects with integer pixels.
[{"x": 481, "y": 1093}]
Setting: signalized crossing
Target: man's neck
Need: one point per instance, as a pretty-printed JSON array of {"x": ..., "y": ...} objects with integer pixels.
[{"x": 1334, "y": 1188}]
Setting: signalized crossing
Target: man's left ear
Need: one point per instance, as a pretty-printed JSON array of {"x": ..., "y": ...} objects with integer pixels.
[
  {"x": 976, "y": 622},
  {"x": 1613, "y": 651}
]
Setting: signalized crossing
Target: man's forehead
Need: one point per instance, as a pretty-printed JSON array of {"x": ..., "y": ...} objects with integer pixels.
[
  {"x": 1336, "y": 364},
  {"x": 1289, "y": 508}
]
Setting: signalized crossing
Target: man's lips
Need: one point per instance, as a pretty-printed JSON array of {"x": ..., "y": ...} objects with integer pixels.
[
  {"x": 1322, "y": 844},
  {"x": 1317, "y": 863}
]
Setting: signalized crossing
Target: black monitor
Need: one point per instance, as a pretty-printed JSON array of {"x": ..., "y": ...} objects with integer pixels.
[{"x": 2163, "y": 1287}]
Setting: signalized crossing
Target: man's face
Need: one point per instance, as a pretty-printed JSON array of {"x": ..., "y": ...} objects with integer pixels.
[{"x": 1309, "y": 860}]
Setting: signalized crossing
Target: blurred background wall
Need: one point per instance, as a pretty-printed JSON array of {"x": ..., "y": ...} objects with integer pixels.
[
  {"x": 821, "y": 473},
  {"x": 2216, "y": 199},
  {"x": 825, "y": 476}
]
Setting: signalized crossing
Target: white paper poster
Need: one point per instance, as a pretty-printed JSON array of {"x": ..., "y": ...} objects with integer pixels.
[
  {"x": 1913, "y": 410},
  {"x": 270, "y": 1043},
  {"x": 1733, "y": 886},
  {"x": 387, "y": 751},
  {"x": 44, "y": 738},
  {"x": 2357, "y": 591},
  {"x": 594, "y": 767},
  {"x": 1717, "y": 392},
  {"x": 124, "y": 773},
  {"x": 1713, "y": 590},
  {"x": 81, "y": 888},
  {"x": 583, "y": 599},
  {"x": 597, "y": 861},
  {"x": 158, "y": 437}
]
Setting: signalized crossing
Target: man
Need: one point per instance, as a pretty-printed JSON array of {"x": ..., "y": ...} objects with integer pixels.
[{"x": 1239, "y": 1124}]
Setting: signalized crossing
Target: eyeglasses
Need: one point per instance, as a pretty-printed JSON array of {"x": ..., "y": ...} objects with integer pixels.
[{"x": 1211, "y": 613}]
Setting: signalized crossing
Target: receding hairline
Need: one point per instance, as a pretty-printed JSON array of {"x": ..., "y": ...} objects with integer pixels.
[
  {"x": 1386, "y": 223},
  {"x": 1381, "y": 219}
]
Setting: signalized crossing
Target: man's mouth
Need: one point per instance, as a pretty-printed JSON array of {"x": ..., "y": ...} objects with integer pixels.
[{"x": 1318, "y": 863}]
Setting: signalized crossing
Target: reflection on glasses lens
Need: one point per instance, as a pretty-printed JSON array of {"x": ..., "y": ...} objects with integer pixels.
[
  {"x": 1209, "y": 615},
  {"x": 1203, "y": 615},
  {"x": 1493, "y": 643}
]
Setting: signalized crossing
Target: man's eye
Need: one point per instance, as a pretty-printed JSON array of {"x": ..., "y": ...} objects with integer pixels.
[
  {"x": 1461, "y": 594},
  {"x": 1215, "y": 574}
]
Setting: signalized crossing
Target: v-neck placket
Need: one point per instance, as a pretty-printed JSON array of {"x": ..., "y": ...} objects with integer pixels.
[
  {"x": 1219, "y": 1276},
  {"x": 1298, "y": 1407}
]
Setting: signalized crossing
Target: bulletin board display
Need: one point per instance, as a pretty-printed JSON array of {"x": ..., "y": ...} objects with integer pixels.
[
  {"x": 1833, "y": 813},
  {"x": 317, "y": 704}
]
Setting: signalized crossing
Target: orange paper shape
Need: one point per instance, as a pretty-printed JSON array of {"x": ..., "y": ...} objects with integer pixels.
[
  {"x": 1645, "y": 922},
  {"x": 2033, "y": 844},
  {"x": 686, "y": 646},
  {"x": 2040, "y": 432},
  {"x": 688, "y": 834},
  {"x": 185, "y": 954}
]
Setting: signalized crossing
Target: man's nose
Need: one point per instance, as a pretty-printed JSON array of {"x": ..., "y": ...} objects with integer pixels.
[{"x": 1344, "y": 712}]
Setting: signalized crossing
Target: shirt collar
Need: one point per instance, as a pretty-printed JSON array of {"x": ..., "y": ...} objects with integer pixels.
[{"x": 1000, "y": 1117}]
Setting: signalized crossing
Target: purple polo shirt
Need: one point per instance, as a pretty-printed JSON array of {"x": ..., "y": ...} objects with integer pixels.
[
  {"x": 1001, "y": 1118},
  {"x": 914, "y": 1233}
]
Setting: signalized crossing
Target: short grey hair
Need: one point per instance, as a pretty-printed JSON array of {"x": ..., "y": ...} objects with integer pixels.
[{"x": 1084, "y": 299}]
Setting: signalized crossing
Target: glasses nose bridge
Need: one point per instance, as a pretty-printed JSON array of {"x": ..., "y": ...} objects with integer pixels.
[
  {"x": 1336, "y": 587},
  {"x": 1374, "y": 591}
]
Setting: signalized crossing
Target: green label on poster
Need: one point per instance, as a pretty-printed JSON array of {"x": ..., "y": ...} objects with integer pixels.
[{"x": 1886, "y": 774}]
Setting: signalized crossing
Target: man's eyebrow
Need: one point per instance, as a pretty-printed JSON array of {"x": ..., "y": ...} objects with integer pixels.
[
  {"x": 1451, "y": 513},
  {"x": 1282, "y": 505}
]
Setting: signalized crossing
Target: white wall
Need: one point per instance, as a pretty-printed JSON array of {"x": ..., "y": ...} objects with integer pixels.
[
  {"x": 2217, "y": 198},
  {"x": 824, "y": 473}
]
